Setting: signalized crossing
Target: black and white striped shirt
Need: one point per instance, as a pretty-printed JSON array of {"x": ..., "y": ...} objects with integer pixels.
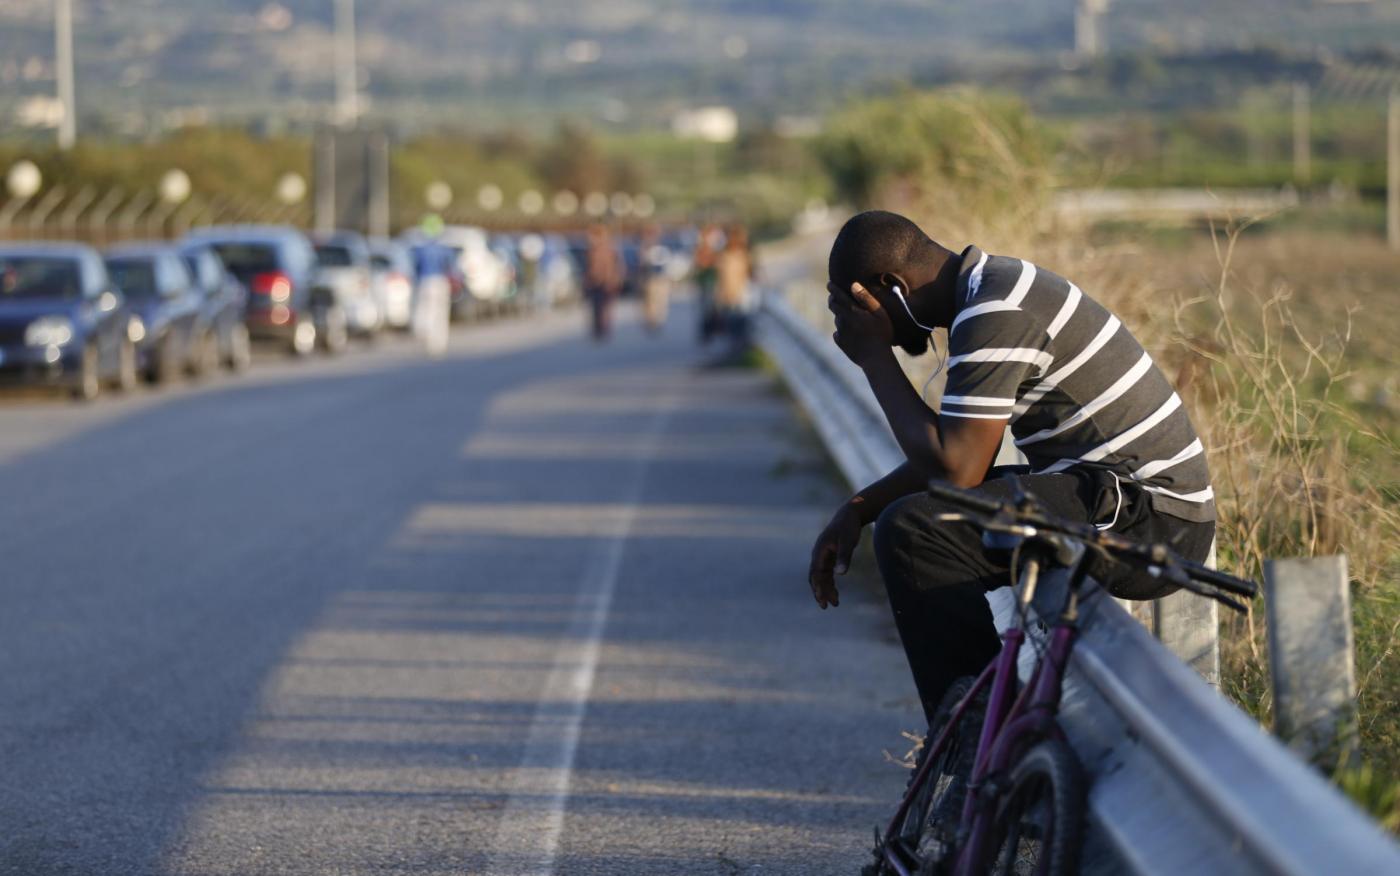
[{"x": 1029, "y": 346}]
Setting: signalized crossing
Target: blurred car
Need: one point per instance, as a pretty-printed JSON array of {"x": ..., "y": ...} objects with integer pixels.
[
  {"x": 547, "y": 273},
  {"x": 62, "y": 322},
  {"x": 503, "y": 247},
  {"x": 343, "y": 268},
  {"x": 681, "y": 242},
  {"x": 277, "y": 266},
  {"x": 392, "y": 275},
  {"x": 634, "y": 268},
  {"x": 223, "y": 332},
  {"x": 485, "y": 273},
  {"x": 160, "y": 293}
]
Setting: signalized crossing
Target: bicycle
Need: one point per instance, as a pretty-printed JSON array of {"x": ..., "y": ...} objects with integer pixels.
[{"x": 998, "y": 789}]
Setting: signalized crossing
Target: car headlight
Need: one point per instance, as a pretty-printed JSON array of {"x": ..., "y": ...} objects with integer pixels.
[
  {"x": 49, "y": 331},
  {"x": 135, "y": 329}
]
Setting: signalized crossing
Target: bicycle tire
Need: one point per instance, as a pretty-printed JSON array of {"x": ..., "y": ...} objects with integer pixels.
[
  {"x": 932, "y": 821},
  {"x": 1039, "y": 823}
]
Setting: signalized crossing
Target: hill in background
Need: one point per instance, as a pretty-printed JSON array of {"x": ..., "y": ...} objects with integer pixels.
[{"x": 147, "y": 64}]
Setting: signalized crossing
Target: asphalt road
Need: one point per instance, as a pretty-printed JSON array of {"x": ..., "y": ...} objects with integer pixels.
[{"x": 538, "y": 607}]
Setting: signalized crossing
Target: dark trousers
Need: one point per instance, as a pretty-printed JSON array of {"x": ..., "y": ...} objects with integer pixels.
[
  {"x": 601, "y": 303},
  {"x": 936, "y": 574}
]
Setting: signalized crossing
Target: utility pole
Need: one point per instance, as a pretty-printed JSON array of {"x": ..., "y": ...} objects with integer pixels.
[
  {"x": 1088, "y": 35},
  {"x": 1302, "y": 134},
  {"x": 347, "y": 84},
  {"x": 1392, "y": 175},
  {"x": 63, "y": 70}
]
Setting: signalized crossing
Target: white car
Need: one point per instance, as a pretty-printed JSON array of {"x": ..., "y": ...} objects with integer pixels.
[
  {"x": 488, "y": 276},
  {"x": 391, "y": 273},
  {"x": 343, "y": 267}
]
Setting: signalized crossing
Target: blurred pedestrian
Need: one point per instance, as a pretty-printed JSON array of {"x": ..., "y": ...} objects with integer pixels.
[
  {"x": 706, "y": 250},
  {"x": 656, "y": 285},
  {"x": 532, "y": 285},
  {"x": 602, "y": 279},
  {"x": 432, "y": 309},
  {"x": 733, "y": 298}
]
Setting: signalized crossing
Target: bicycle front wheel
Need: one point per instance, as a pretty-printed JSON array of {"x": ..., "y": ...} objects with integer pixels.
[
  {"x": 1040, "y": 816},
  {"x": 932, "y": 822}
]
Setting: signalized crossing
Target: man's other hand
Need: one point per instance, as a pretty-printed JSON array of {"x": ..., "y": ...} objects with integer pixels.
[
  {"x": 831, "y": 555},
  {"x": 863, "y": 327}
]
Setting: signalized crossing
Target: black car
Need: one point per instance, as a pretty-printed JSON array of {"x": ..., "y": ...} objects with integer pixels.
[
  {"x": 62, "y": 323},
  {"x": 277, "y": 266},
  {"x": 164, "y": 306},
  {"x": 224, "y": 338}
]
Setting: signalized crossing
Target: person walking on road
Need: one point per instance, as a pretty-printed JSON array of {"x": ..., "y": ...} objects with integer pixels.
[
  {"x": 432, "y": 308},
  {"x": 602, "y": 280},
  {"x": 656, "y": 286},
  {"x": 733, "y": 300},
  {"x": 706, "y": 249},
  {"x": 1107, "y": 438}
]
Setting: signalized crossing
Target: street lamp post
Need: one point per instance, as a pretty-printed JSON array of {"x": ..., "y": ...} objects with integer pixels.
[
  {"x": 347, "y": 85},
  {"x": 63, "y": 72}
]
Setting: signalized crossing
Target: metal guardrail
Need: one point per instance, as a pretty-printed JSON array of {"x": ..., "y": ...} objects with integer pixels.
[{"x": 1183, "y": 781}]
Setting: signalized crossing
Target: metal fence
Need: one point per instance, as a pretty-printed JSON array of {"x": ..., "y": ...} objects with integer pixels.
[{"x": 102, "y": 217}]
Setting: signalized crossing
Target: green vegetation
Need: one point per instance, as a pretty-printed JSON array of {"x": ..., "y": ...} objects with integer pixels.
[
  {"x": 762, "y": 178},
  {"x": 1250, "y": 145},
  {"x": 227, "y": 164},
  {"x": 987, "y": 152}
]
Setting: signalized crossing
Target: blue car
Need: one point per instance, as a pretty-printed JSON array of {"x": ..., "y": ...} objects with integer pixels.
[
  {"x": 165, "y": 307},
  {"x": 224, "y": 337},
  {"x": 62, "y": 321}
]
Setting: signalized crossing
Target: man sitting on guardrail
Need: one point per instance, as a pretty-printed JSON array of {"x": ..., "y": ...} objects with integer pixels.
[{"x": 1106, "y": 436}]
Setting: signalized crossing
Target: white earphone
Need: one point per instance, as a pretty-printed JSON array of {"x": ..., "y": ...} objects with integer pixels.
[
  {"x": 900, "y": 295},
  {"x": 941, "y": 360}
]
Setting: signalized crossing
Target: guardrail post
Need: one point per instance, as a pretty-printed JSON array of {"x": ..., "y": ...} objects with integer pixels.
[
  {"x": 1189, "y": 625},
  {"x": 1310, "y": 655}
]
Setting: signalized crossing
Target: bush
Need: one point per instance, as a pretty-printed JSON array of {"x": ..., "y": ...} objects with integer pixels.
[{"x": 955, "y": 150}]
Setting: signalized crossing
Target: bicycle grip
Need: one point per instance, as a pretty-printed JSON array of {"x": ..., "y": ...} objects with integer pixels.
[{"x": 1223, "y": 580}]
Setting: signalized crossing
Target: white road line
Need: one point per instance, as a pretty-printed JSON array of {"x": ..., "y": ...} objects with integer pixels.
[{"x": 527, "y": 837}]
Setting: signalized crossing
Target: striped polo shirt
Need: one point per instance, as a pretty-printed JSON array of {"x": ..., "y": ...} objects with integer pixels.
[{"x": 1080, "y": 391}]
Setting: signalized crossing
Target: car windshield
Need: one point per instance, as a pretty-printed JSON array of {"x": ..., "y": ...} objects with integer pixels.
[
  {"x": 243, "y": 260},
  {"x": 332, "y": 256},
  {"x": 39, "y": 277},
  {"x": 135, "y": 277}
]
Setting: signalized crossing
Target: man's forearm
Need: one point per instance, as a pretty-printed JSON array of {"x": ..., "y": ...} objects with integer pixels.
[
  {"x": 914, "y": 425},
  {"x": 872, "y": 500}
]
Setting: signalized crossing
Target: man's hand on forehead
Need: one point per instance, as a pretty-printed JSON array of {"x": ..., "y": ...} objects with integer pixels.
[
  {"x": 854, "y": 292},
  {"x": 863, "y": 328}
]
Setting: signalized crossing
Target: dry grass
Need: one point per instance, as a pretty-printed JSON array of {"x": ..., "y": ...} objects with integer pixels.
[{"x": 1282, "y": 347}]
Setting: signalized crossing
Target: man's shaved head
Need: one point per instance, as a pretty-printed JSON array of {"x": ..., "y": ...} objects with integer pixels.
[
  {"x": 874, "y": 248},
  {"x": 873, "y": 243}
]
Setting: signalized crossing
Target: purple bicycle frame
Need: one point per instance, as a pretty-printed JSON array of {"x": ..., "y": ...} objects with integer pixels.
[{"x": 1008, "y": 728}]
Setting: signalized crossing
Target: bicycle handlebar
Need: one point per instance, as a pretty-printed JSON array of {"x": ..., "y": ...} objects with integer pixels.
[{"x": 1158, "y": 557}]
